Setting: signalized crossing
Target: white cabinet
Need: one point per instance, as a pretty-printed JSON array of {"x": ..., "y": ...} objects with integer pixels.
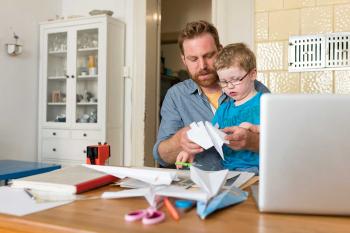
[{"x": 81, "y": 88}]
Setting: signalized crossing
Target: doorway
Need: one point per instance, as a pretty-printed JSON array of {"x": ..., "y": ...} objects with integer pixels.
[{"x": 174, "y": 16}]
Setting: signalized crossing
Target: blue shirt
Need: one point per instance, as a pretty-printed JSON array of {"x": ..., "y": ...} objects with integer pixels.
[
  {"x": 183, "y": 104},
  {"x": 228, "y": 114}
]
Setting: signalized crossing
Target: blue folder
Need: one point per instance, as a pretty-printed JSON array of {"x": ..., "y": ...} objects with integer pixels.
[{"x": 13, "y": 169}]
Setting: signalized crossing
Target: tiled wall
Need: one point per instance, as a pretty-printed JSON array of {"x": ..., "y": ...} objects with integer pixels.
[{"x": 275, "y": 21}]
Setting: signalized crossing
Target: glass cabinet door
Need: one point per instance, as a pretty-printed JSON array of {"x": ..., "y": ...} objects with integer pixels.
[
  {"x": 56, "y": 109},
  {"x": 87, "y": 76}
]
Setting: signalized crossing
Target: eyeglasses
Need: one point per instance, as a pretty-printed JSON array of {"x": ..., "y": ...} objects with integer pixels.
[{"x": 233, "y": 82}]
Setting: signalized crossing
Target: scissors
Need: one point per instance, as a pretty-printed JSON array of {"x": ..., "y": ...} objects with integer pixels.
[{"x": 149, "y": 216}]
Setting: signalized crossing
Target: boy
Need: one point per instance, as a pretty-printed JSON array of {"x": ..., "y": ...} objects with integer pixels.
[{"x": 236, "y": 67}]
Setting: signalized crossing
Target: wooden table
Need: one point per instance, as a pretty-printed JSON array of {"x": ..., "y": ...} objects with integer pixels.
[{"x": 108, "y": 216}]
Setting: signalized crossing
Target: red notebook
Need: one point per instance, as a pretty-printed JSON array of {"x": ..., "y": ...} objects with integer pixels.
[{"x": 68, "y": 180}]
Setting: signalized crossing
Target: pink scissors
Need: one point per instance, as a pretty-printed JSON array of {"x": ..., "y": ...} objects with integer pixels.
[{"x": 148, "y": 216}]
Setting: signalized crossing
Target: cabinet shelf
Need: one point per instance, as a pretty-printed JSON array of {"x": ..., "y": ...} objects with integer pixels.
[
  {"x": 58, "y": 53},
  {"x": 87, "y": 49},
  {"x": 87, "y": 104},
  {"x": 57, "y": 78},
  {"x": 82, "y": 77},
  {"x": 56, "y": 103}
]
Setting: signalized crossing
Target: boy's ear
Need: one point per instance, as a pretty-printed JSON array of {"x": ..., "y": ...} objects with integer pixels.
[
  {"x": 220, "y": 47},
  {"x": 253, "y": 74}
]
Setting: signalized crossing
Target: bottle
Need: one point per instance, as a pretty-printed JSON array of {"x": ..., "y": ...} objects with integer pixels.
[{"x": 92, "y": 65}]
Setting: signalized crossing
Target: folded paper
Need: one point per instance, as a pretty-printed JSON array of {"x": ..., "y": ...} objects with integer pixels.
[{"x": 206, "y": 135}]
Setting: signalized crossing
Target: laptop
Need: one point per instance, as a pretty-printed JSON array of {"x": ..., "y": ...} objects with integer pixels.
[{"x": 305, "y": 154}]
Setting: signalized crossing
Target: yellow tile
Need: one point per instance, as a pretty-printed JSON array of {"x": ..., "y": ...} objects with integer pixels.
[
  {"x": 316, "y": 20},
  {"x": 263, "y": 77},
  {"x": 342, "y": 18},
  {"x": 284, "y": 82},
  {"x": 285, "y": 55},
  {"x": 283, "y": 24},
  {"x": 261, "y": 26},
  {"x": 269, "y": 56},
  {"x": 330, "y": 2},
  {"x": 298, "y": 3},
  {"x": 267, "y": 5},
  {"x": 316, "y": 82},
  {"x": 342, "y": 82}
]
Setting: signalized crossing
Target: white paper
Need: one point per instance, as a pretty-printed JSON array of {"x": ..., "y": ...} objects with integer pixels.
[
  {"x": 243, "y": 178},
  {"x": 209, "y": 181},
  {"x": 206, "y": 135},
  {"x": 217, "y": 137},
  {"x": 17, "y": 202},
  {"x": 153, "y": 177},
  {"x": 199, "y": 135}
]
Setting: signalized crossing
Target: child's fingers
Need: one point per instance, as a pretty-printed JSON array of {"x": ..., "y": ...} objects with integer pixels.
[{"x": 178, "y": 159}]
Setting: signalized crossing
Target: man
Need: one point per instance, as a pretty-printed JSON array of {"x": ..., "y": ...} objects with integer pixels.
[{"x": 197, "y": 99}]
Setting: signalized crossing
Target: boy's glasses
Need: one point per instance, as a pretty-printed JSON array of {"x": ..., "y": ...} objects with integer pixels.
[{"x": 233, "y": 82}]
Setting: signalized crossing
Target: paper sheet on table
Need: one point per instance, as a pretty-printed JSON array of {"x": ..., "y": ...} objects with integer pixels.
[
  {"x": 17, "y": 202},
  {"x": 206, "y": 135},
  {"x": 154, "y": 177}
]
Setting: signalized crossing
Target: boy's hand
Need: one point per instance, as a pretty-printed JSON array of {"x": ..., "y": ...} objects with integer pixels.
[
  {"x": 243, "y": 139},
  {"x": 184, "y": 157}
]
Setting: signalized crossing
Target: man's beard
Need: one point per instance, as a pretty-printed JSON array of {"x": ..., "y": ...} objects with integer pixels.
[{"x": 207, "y": 82}]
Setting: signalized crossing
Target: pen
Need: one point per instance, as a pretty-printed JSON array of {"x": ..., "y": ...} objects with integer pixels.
[
  {"x": 29, "y": 193},
  {"x": 183, "y": 164},
  {"x": 171, "y": 209}
]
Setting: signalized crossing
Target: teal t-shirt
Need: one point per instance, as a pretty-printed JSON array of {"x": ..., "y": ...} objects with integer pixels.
[{"x": 228, "y": 114}]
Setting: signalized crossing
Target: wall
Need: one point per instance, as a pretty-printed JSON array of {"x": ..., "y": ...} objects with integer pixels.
[
  {"x": 234, "y": 20},
  {"x": 275, "y": 21},
  {"x": 19, "y": 76},
  {"x": 126, "y": 11}
]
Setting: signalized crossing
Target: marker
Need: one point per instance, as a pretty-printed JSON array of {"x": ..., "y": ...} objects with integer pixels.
[
  {"x": 171, "y": 209},
  {"x": 29, "y": 193},
  {"x": 183, "y": 164}
]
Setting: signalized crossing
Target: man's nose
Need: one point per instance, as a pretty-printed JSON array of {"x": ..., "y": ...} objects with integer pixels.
[{"x": 203, "y": 63}]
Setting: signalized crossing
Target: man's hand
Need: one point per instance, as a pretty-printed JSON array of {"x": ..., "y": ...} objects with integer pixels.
[
  {"x": 186, "y": 144},
  {"x": 243, "y": 138},
  {"x": 171, "y": 147}
]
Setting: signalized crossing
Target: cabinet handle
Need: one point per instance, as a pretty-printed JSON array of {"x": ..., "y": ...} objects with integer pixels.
[
  {"x": 67, "y": 76},
  {"x": 84, "y": 151},
  {"x": 72, "y": 76},
  {"x": 54, "y": 133},
  {"x": 54, "y": 149},
  {"x": 84, "y": 134}
]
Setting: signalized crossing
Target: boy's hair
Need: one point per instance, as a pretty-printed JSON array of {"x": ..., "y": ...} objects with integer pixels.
[
  {"x": 235, "y": 54},
  {"x": 195, "y": 29}
]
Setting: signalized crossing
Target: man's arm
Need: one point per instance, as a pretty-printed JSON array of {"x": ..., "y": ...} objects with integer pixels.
[
  {"x": 171, "y": 147},
  {"x": 172, "y": 137}
]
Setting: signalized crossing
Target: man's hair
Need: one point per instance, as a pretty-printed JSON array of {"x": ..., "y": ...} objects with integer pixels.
[
  {"x": 235, "y": 54},
  {"x": 195, "y": 29}
]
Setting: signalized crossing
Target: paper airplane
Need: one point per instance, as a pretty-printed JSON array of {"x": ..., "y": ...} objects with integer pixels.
[
  {"x": 153, "y": 177},
  {"x": 206, "y": 135},
  {"x": 209, "y": 184}
]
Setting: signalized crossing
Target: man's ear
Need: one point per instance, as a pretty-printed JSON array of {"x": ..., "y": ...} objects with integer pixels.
[{"x": 183, "y": 59}]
